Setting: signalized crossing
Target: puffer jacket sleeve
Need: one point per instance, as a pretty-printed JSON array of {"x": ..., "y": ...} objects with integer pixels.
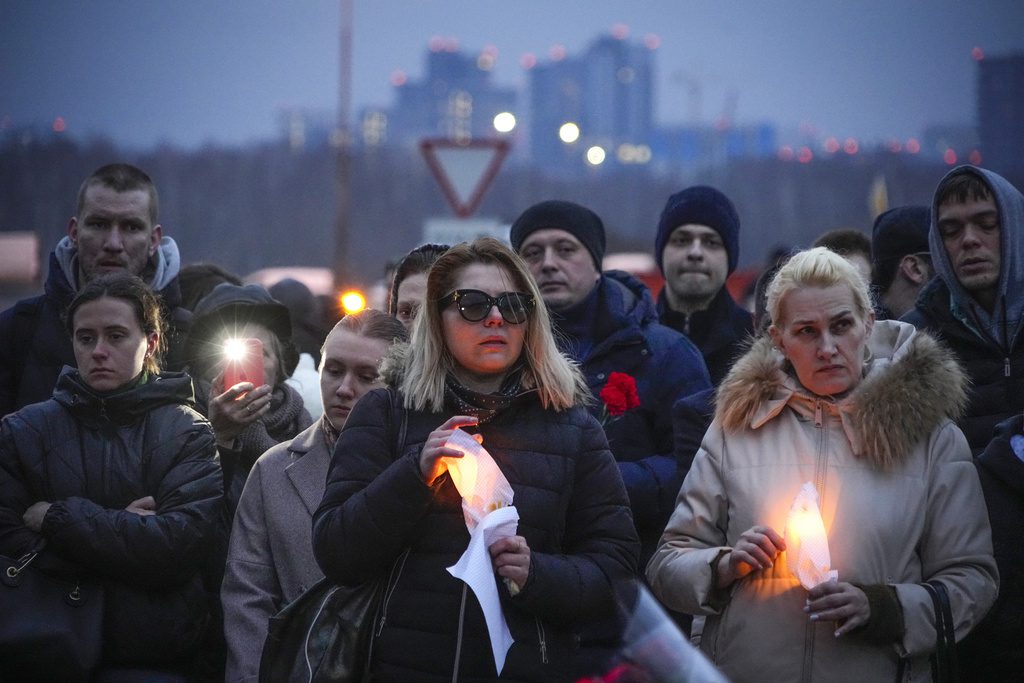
[
  {"x": 653, "y": 481},
  {"x": 152, "y": 551},
  {"x": 373, "y": 499},
  {"x": 16, "y": 539},
  {"x": 601, "y": 548},
  {"x": 682, "y": 571},
  {"x": 956, "y": 546}
]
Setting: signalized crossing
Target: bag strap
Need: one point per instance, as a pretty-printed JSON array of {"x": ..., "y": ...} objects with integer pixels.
[{"x": 944, "y": 664}]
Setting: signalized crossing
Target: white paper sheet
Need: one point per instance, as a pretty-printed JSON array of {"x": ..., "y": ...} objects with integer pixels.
[
  {"x": 490, "y": 516},
  {"x": 475, "y": 568}
]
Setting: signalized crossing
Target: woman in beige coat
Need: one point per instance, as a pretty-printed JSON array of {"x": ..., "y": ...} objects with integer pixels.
[
  {"x": 861, "y": 410},
  {"x": 270, "y": 559}
]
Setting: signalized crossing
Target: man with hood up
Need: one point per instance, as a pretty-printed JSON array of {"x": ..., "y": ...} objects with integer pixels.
[
  {"x": 114, "y": 229},
  {"x": 976, "y": 302},
  {"x": 976, "y": 305}
]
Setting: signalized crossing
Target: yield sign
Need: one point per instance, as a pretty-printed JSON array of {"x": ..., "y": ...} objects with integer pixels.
[{"x": 464, "y": 170}]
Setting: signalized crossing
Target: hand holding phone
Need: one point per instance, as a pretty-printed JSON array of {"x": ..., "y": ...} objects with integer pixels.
[{"x": 243, "y": 362}]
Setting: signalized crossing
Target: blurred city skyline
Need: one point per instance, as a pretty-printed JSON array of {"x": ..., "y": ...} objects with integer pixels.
[{"x": 191, "y": 73}]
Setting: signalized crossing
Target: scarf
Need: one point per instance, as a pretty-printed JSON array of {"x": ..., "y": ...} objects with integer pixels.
[
  {"x": 329, "y": 432},
  {"x": 285, "y": 419},
  {"x": 484, "y": 407}
]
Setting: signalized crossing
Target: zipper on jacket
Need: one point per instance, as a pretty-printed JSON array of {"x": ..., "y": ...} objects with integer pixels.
[
  {"x": 390, "y": 590},
  {"x": 542, "y": 638},
  {"x": 817, "y": 413},
  {"x": 1006, "y": 366},
  {"x": 458, "y": 641}
]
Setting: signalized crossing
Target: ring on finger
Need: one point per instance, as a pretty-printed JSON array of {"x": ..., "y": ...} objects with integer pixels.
[{"x": 249, "y": 408}]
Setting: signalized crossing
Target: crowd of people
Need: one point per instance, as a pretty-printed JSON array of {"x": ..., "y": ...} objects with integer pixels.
[{"x": 655, "y": 443}]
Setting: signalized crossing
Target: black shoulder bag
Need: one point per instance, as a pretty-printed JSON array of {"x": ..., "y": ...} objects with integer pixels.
[
  {"x": 51, "y": 629},
  {"x": 943, "y": 660},
  {"x": 326, "y": 634}
]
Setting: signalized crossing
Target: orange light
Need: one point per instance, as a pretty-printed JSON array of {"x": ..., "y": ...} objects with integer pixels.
[
  {"x": 949, "y": 156},
  {"x": 805, "y": 155},
  {"x": 851, "y": 146},
  {"x": 832, "y": 145},
  {"x": 977, "y": 54},
  {"x": 352, "y": 302},
  {"x": 913, "y": 146},
  {"x": 59, "y": 126},
  {"x": 974, "y": 157}
]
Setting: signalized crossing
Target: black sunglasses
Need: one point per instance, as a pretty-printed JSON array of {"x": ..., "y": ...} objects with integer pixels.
[{"x": 474, "y": 305}]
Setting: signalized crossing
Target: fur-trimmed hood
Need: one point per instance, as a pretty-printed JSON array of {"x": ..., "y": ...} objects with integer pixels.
[
  {"x": 911, "y": 385},
  {"x": 392, "y": 365}
]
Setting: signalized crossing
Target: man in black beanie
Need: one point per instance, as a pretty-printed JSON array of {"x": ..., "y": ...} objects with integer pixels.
[
  {"x": 697, "y": 247},
  {"x": 608, "y": 324},
  {"x": 901, "y": 263}
]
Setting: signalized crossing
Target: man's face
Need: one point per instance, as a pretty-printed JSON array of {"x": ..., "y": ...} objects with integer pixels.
[
  {"x": 561, "y": 265},
  {"x": 970, "y": 233},
  {"x": 695, "y": 263},
  {"x": 113, "y": 232}
]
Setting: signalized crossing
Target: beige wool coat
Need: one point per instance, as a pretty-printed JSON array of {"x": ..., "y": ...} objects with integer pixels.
[
  {"x": 270, "y": 556},
  {"x": 899, "y": 497}
]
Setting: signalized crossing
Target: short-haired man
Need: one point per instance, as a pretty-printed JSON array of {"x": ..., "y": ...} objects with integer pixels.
[
  {"x": 114, "y": 229},
  {"x": 852, "y": 245},
  {"x": 607, "y": 322},
  {"x": 976, "y": 302},
  {"x": 901, "y": 264},
  {"x": 697, "y": 247}
]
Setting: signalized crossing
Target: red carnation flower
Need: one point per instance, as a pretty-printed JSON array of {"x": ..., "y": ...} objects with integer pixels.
[{"x": 619, "y": 395}]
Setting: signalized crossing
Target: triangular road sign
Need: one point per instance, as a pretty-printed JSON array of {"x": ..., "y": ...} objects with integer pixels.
[{"x": 464, "y": 170}]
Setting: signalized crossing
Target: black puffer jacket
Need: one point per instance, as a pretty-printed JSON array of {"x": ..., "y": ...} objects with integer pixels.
[
  {"x": 91, "y": 456},
  {"x": 574, "y": 514},
  {"x": 995, "y": 371}
]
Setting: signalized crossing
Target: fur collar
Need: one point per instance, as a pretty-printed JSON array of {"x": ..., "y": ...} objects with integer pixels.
[
  {"x": 392, "y": 365},
  {"x": 913, "y": 384}
]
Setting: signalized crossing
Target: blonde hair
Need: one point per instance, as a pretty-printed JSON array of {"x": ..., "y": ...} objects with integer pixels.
[
  {"x": 558, "y": 381},
  {"x": 817, "y": 267}
]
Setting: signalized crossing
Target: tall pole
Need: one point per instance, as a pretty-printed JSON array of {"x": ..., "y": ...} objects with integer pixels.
[{"x": 343, "y": 146}]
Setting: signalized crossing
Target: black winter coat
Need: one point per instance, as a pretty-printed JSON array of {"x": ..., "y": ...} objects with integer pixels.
[
  {"x": 994, "y": 651},
  {"x": 996, "y": 371},
  {"x": 91, "y": 456},
  {"x": 721, "y": 331},
  {"x": 574, "y": 514}
]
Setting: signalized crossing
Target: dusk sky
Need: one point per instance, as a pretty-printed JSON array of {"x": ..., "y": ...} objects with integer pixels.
[{"x": 190, "y": 72}]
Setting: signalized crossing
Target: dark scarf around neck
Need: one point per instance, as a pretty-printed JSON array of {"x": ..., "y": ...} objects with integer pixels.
[{"x": 484, "y": 407}]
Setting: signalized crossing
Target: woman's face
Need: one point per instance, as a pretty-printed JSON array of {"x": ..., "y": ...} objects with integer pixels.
[
  {"x": 824, "y": 337},
  {"x": 411, "y": 292},
  {"x": 110, "y": 346},
  {"x": 486, "y": 350},
  {"x": 270, "y": 363},
  {"x": 348, "y": 369}
]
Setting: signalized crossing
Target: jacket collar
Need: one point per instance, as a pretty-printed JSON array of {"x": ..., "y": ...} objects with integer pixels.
[
  {"x": 308, "y": 469},
  {"x": 912, "y": 384}
]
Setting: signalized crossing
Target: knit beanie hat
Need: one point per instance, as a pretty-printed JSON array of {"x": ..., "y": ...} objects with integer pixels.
[
  {"x": 898, "y": 232},
  {"x": 700, "y": 205},
  {"x": 579, "y": 221}
]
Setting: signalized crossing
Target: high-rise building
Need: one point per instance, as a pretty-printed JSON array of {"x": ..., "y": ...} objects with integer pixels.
[
  {"x": 456, "y": 98},
  {"x": 608, "y": 92},
  {"x": 1001, "y": 112}
]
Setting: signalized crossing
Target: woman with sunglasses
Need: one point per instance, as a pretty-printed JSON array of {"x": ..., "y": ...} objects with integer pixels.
[{"x": 482, "y": 359}]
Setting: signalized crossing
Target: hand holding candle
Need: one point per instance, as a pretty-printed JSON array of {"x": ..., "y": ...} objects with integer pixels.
[
  {"x": 755, "y": 549},
  {"x": 436, "y": 447},
  {"x": 511, "y": 558}
]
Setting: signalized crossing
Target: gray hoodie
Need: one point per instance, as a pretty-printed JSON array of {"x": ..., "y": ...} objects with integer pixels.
[{"x": 1004, "y": 323}]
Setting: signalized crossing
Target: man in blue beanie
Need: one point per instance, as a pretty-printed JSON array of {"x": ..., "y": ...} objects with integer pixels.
[
  {"x": 607, "y": 322},
  {"x": 697, "y": 247}
]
